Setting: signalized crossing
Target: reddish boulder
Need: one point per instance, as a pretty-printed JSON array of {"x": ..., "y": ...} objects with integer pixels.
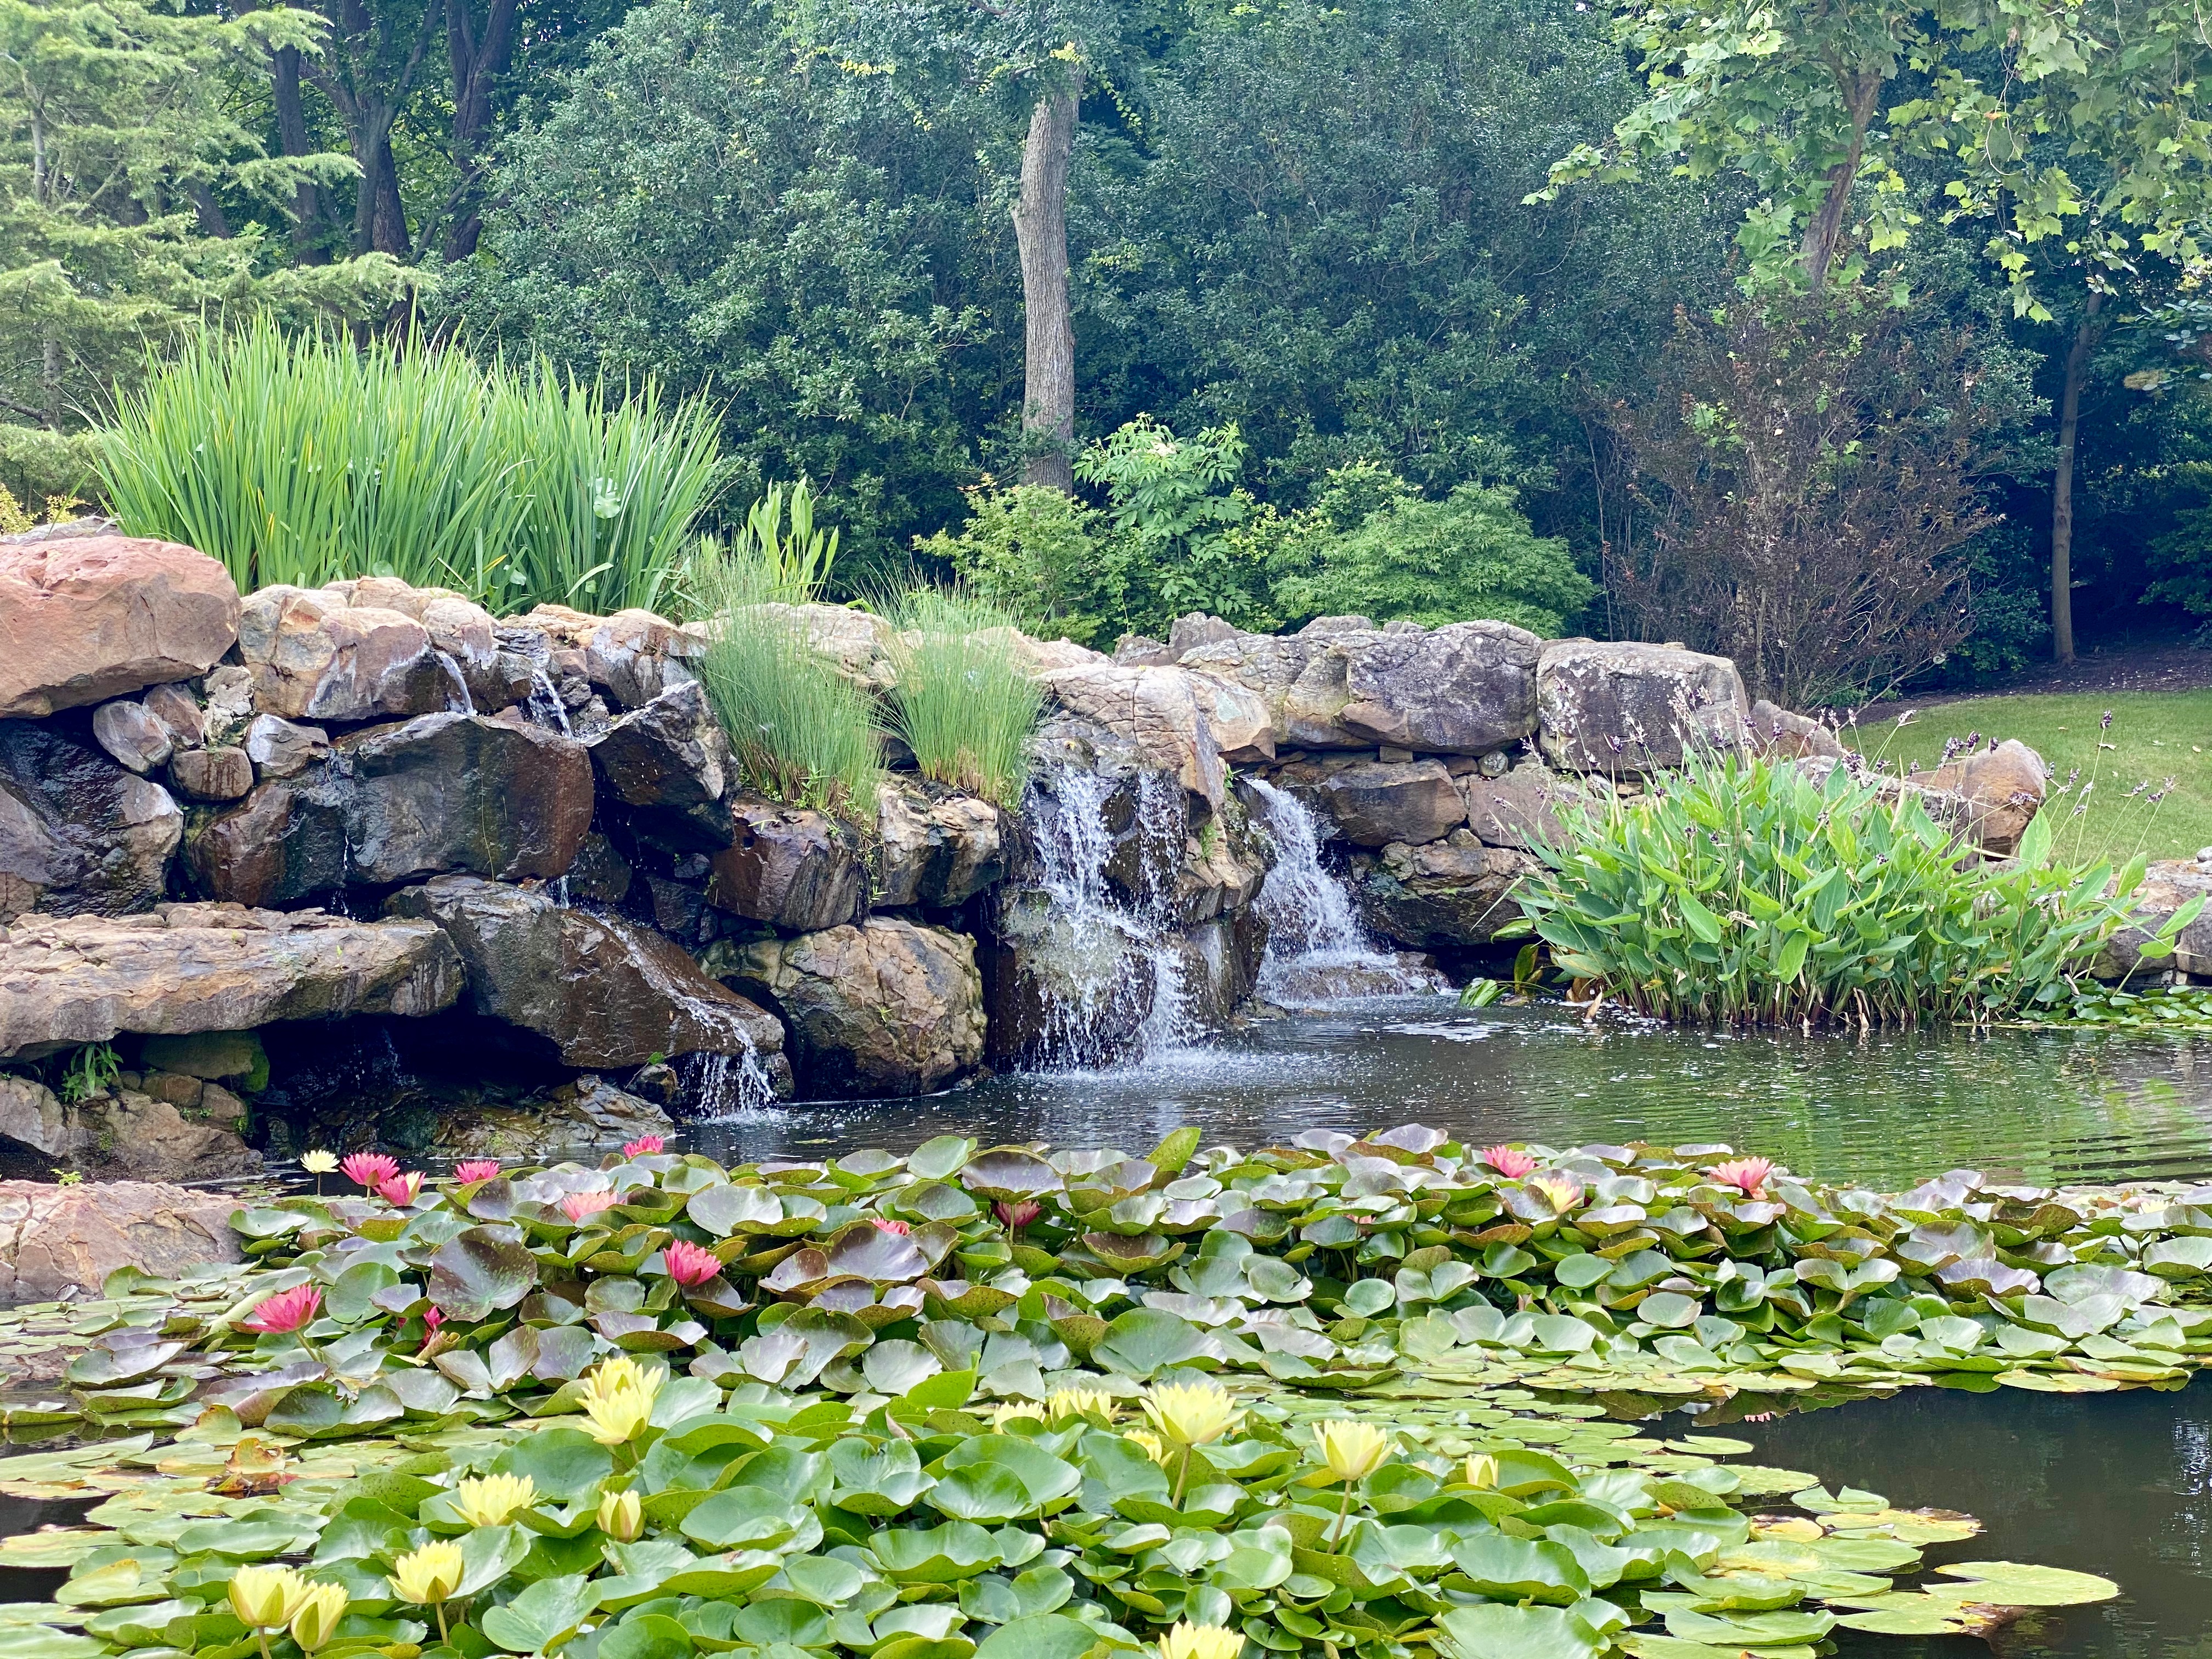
[{"x": 83, "y": 621}]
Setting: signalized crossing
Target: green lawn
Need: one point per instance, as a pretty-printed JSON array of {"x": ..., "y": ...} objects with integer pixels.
[{"x": 2154, "y": 736}]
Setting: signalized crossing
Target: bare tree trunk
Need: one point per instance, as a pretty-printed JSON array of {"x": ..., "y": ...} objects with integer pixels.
[
  {"x": 2062, "y": 486},
  {"x": 292, "y": 140},
  {"x": 1825, "y": 228},
  {"x": 1041, "y": 229},
  {"x": 479, "y": 62}
]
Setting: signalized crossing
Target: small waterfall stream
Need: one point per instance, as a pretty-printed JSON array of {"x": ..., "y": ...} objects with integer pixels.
[{"x": 1318, "y": 951}]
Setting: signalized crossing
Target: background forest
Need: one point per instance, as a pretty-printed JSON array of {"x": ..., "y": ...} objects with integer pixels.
[{"x": 1344, "y": 334}]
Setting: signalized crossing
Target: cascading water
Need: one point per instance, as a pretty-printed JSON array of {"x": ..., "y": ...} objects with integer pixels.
[
  {"x": 1318, "y": 951},
  {"x": 726, "y": 1087}
]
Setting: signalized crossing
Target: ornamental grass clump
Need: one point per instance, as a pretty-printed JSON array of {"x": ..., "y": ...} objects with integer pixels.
[
  {"x": 964, "y": 703},
  {"x": 1747, "y": 890}
]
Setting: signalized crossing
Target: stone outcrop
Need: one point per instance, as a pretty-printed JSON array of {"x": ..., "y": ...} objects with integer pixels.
[
  {"x": 85, "y": 619},
  {"x": 1377, "y": 802},
  {"x": 881, "y": 1008},
  {"x": 1520, "y": 808},
  {"x": 78, "y": 834},
  {"x": 210, "y": 968},
  {"x": 1299, "y": 679},
  {"x": 55, "y": 1239},
  {"x": 2004, "y": 786},
  {"x": 461, "y": 792},
  {"x": 792, "y": 868},
  {"x": 2167, "y": 886},
  {"x": 669, "y": 762},
  {"x": 1162, "y": 713},
  {"x": 1449, "y": 895},
  {"x": 607, "y": 994},
  {"x": 315, "y": 656},
  {"x": 1462, "y": 690},
  {"x": 1622, "y": 707},
  {"x": 127, "y": 1134},
  {"x": 936, "y": 853}
]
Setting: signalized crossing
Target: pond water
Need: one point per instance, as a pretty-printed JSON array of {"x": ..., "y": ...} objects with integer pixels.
[{"x": 2037, "y": 1107}]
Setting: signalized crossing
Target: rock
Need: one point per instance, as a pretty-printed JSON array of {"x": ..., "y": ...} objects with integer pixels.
[
  {"x": 600, "y": 874},
  {"x": 2004, "y": 787},
  {"x": 212, "y": 774},
  {"x": 634, "y": 656},
  {"x": 1166, "y": 713},
  {"x": 1243, "y": 729},
  {"x": 462, "y": 792},
  {"x": 1775, "y": 730},
  {"x": 135, "y": 738},
  {"x": 1453, "y": 894},
  {"x": 316, "y": 657},
  {"x": 209, "y": 967},
  {"x": 285, "y": 843},
  {"x": 938, "y": 853},
  {"x": 1520, "y": 809},
  {"x": 1377, "y": 802},
  {"x": 607, "y": 994},
  {"x": 789, "y": 866},
  {"x": 1461, "y": 689},
  {"x": 1060, "y": 989},
  {"x": 1218, "y": 967},
  {"x": 1225, "y": 864},
  {"x": 881, "y": 1008},
  {"x": 280, "y": 749},
  {"x": 178, "y": 710},
  {"x": 1138, "y": 650},
  {"x": 78, "y": 834},
  {"x": 210, "y": 1055},
  {"x": 229, "y": 703},
  {"x": 1195, "y": 628},
  {"x": 131, "y": 1134},
  {"x": 463, "y": 629},
  {"x": 1039, "y": 657},
  {"x": 1628, "y": 708},
  {"x": 86, "y": 619},
  {"x": 1299, "y": 678},
  {"x": 2167, "y": 886},
  {"x": 588, "y": 1112},
  {"x": 670, "y": 763},
  {"x": 57, "y": 1239}
]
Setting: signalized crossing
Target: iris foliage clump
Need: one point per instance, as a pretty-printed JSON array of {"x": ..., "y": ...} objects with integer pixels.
[
  {"x": 1748, "y": 889},
  {"x": 965, "y": 703}
]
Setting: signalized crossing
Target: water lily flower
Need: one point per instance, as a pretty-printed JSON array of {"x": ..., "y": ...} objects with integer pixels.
[
  {"x": 475, "y": 1169},
  {"x": 1481, "y": 1471},
  {"x": 287, "y": 1311},
  {"x": 369, "y": 1171},
  {"x": 1093, "y": 1403},
  {"x": 1560, "y": 1190},
  {"x": 642, "y": 1146},
  {"x": 429, "y": 1576},
  {"x": 401, "y": 1190},
  {"x": 1352, "y": 1450},
  {"x": 488, "y": 1500},
  {"x": 1508, "y": 1162},
  {"x": 1192, "y": 1413},
  {"x": 690, "y": 1264},
  {"x": 1010, "y": 1410},
  {"x": 886, "y": 1224},
  {"x": 581, "y": 1206},
  {"x": 433, "y": 1316},
  {"x": 265, "y": 1598},
  {"x": 318, "y": 1163},
  {"x": 317, "y": 1619},
  {"x": 1016, "y": 1213},
  {"x": 1147, "y": 1443},
  {"x": 621, "y": 1516},
  {"x": 1748, "y": 1174},
  {"x": 1189, "y": 1641},
  {"x": 617, "y": 1400}
]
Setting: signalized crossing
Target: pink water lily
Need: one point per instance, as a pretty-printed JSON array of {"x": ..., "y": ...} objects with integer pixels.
[
  {"x": 1018, "y": 1212},
  {"x": 287, "y": 1311},
  {"x": 886, "y": 1224},
  {"x": 1748, "y": 1174},
  {"x": 401, "y": 1190},
  {"x": 433, "y": 1316},
  {"x": 689, "y": 1264},
  {"x": 1508, "y": 1161},
  {"x": 642, "y": 1146},
  {"x": 369, "y": 1171},
  {"x": 475, "y": 1169},
  {"x": 581, "y": 1206}
]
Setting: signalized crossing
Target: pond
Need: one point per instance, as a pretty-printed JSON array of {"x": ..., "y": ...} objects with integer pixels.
[{"x": 2034, "y": 1107}]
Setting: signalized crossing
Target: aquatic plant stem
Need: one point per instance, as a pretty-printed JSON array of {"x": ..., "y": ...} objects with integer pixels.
[
  {"x": 1343, "y": 1511},
  {"x": 1183, "y": 1475}
]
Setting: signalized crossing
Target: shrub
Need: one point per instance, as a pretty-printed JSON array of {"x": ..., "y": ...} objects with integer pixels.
[
  {"x": 964, "y": 703},
  {"x": 1745, "y": 891},
  {"x": 802, "y": 734},
  {"x": 1030, "y": 550},
  {"x": 302, "y": 460}
]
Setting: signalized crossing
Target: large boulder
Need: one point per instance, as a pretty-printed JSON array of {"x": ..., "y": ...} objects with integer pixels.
[
  {"x": 86, "y": 619},
  {"x": 1166, "y": 713},
  {"x": 937, "y": 853},
  {"x": 1462, "y": 690},
  {"x": 670, "y": 763},
  {"x": 210, "y": 968},
  {"x": 78, "y": 834},
  {"x": 2004, "y": 785},
  {"x": 315, "y": 656},
  {"x": 1620, "y": 707},
  {"x": 1777, "y": 731},
  {"x": 1520, "y": 808},
  {"x": 1299, "y": 678},
  {"x": 287, "y": 842},
  {"x": 55, "y": 1240},
  {"x": 605, "y": 993},
  {"x": 789, "y": 866},
  {"x": 463, "y": 792},
  {"x": 135, "y": 738},
  {"x": 1451, "y": 895},
  {"x": 2167, "y": 886},
  {"x": 463, "y": 629},
  {"x": 126, "y": 1133},
  {"x": 881, "y": 1008},
  {"x": 1377, "y": 802}
]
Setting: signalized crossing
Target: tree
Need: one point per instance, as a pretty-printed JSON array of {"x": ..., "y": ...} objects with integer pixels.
[{"x": 374, "y": 64}]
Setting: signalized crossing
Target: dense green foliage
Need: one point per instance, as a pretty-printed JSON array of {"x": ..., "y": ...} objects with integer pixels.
[
  {"x": 1748, "y": 891},
  {"x": 301, "y": 460}
]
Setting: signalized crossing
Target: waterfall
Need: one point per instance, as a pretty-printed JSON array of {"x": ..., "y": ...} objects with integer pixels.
[
  {"x": 542, "y": 707},
  {"x": 1318, "y": 951},
  {"x": 722, "y": 1087}
]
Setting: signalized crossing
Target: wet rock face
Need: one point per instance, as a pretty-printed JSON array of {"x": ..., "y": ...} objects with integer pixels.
[
  {"x": 794, "y": 869},
  {"x": 460, "y": 792},
  {"x": 1449, "y": 895},
  {"x": 78, "y": 834},
  {"x": 1054, "y": 988},
  {"x": 936, "y": 853},
  {"x": 1378, "y": 802},
  {"x": 285, "y": 844},
  {"x": 590, "y": 1112},
  {"x": 54, "y": 1239},
  {"x": 210, "y": 968},
  {"x": 670, "y": 763},
  {"x": 223, "y": 773},
  {"x": 1162, "y": 711},
  {"x": 1627, "y": 707},
  {"x": 881, "y": 1008},
  {"x": 86, "y": 619},
  {"x": 607, "y": 994}
]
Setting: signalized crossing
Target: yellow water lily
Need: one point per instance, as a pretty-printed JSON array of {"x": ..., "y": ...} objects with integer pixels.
[
  {"x": 1352, "y": 1450},
  {"x": 617, "y": 1400},
  {"x": 621, "y": 1516},
  {"x": 1148, "y": 1443},
  {"x": 490, "y": 1499},
  {"x": 1481, "y": 1470},
  {"x": 265, "y": 1598},
  {"x": 429, "y": 1575},
  {"x": 317, "y": 1619},
  {"x": 1192, "y": 1413},
  {"x": 1096, "y": 1404},
  {"x": 1013, "y": 1409},
  {"x": 1189, "y": 1641}
]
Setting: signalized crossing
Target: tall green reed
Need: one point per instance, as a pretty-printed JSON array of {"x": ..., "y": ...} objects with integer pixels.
[
  {"x": 963, "y": 703},
  {"x": 1747, "y": 890}
]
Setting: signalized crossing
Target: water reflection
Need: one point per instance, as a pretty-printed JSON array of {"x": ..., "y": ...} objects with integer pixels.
[{"x": 2029, "y": 1106}]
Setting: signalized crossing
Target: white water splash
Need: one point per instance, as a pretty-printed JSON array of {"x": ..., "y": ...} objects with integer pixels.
[{"x": 1318, "y": 951}]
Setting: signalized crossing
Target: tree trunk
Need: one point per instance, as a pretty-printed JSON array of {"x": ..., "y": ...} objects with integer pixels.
[
  {"x": 478, "y": 63},
  {"x": 1041, "y": 229},
  {"x": 292, "y": 140},
  {"x": 1825, "y": 228},
  {"x": 2061, "y": 488}
]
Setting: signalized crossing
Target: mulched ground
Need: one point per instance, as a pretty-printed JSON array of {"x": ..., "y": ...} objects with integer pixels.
[{"x": 2166, "y": 666}]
